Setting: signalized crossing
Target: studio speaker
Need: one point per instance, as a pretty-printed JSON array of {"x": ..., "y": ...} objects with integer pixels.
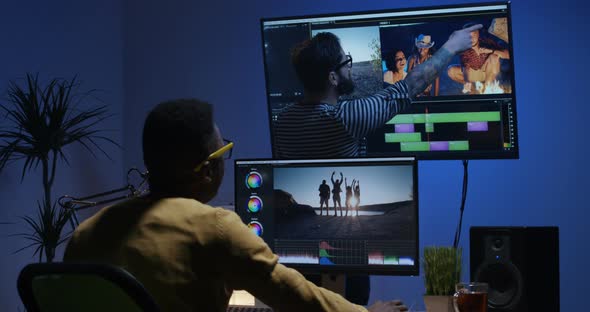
[{"x": 520, "y": 264}]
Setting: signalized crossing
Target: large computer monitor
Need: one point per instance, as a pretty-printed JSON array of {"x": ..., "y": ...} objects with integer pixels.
[
  {"x": 280, "y": 201},
  {"x": 451, "y": 120}
]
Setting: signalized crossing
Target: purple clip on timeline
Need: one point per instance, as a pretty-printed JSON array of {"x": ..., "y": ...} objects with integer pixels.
[
  {"x": 404, "y": 128},
  {"x": 476, "y": 126},
  {"x": 439, "y": 146}
]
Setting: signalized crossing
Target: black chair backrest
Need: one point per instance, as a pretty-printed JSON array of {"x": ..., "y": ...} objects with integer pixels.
[{"x": 64, "y": 287}]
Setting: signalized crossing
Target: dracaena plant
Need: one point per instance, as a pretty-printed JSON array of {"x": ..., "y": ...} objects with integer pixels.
[{"x": 39, "y": 121}]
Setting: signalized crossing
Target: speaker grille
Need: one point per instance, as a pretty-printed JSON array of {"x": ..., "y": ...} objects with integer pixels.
[
  {"x": 505, "y": 283},
  {"x": 520, "y": 264}
]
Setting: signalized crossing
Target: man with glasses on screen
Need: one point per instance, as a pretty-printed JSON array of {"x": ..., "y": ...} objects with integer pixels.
[
  {"x": 188, "y": 255},
  {"x": 320, "y": 126}
]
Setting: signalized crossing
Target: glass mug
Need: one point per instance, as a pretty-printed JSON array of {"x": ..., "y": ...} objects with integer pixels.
[{"x": 471, "y": 297}]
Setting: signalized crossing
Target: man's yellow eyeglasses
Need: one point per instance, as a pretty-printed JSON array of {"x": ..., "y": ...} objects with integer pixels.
[{"x": 225, "y": 151}]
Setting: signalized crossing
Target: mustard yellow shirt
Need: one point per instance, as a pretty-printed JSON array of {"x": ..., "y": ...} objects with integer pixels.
[{"x": 191, "y": 256}]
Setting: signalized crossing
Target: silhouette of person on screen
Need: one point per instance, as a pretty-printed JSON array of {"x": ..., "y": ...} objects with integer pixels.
[
  {"x": 188, "y": 255},
  {"x": 324, "y": 190},
  {"x": 336, "y": 190},
  {"x": 321, "y": 126},
  {"x": 348, "y": 201},
  {"x": 356, "y": 186}
]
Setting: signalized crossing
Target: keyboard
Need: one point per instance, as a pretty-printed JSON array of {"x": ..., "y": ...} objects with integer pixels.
[{"x": 242, "y": 301}]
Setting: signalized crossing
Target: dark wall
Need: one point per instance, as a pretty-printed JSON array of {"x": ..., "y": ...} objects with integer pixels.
[
  {"x": 149, "y": 51},
  {"x": 58, "y": 39}
]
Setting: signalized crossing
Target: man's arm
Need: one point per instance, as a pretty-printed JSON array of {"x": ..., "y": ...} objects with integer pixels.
[
  {"x": 248, "y": 263},
  {"x": 436, "y": 86},
  {"x": 423, "y": 75},
  {"x": 503, "y": 54}
]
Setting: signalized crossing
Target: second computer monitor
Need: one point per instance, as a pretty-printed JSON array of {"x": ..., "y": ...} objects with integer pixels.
[{"x": 339, "y": 215}]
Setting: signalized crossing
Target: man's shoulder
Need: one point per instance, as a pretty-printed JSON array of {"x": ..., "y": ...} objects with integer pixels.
[
  {"x": 311, "y": 114},
  {"x": 179, "y": 207},
  {"x": 193, "y": 209},
  {"x": 177, "y": 211}
]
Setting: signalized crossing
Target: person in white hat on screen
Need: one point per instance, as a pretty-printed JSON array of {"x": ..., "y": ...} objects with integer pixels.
[{"x": 423, "y": 50}]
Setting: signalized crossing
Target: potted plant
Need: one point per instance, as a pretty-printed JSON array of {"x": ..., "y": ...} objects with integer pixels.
[
  {"x": 40, "y": 120},
  {"x": 442, "y": 270}
]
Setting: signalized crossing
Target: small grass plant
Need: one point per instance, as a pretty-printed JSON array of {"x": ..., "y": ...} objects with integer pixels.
[{"x": 442, "y": 270}]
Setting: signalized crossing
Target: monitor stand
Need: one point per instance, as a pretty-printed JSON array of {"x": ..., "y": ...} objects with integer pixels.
[{"x": 334, "y": 282}]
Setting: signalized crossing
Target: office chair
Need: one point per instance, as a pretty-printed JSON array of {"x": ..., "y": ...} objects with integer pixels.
[{"x": 64, "y": 287}]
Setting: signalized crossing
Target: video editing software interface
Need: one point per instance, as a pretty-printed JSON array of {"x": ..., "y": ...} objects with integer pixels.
[
  {"x": 348, "y": 215},
  {"x": 468, "y": 112}
]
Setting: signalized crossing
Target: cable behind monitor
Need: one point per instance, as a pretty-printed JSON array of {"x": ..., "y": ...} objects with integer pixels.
[{"x": 462, "y": 208}]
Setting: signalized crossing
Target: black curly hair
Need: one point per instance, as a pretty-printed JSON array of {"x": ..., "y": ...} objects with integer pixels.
[
  {"x": 313, "y": 59},
  {"x": 177, "y": 136}
]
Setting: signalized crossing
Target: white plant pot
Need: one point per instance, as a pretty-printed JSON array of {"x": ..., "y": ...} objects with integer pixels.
[{"x": 439, "y": 303}]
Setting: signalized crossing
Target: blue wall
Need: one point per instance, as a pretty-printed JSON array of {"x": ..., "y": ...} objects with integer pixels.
[
  {"x": 58, "y": 39},
  {"x": 212, "y": 50}
]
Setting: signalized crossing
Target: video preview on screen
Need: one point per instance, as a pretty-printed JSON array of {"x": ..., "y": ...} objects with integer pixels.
[
  {"x": 468, "y": 112},
  {"x": 333, "y": 214}
]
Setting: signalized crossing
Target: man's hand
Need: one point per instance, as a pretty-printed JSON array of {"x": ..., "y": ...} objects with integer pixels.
[
  {"x": 460, "y": 40},
  {"x": 485, "y": 51},
  {"x": 387, "y": 306}
]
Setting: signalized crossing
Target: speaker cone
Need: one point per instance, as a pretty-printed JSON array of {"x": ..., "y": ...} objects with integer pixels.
[{"x": 505, "y": 283}]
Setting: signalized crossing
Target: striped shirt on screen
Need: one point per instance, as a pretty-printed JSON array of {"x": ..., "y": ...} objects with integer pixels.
[{"x": 329, "y": 131}]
